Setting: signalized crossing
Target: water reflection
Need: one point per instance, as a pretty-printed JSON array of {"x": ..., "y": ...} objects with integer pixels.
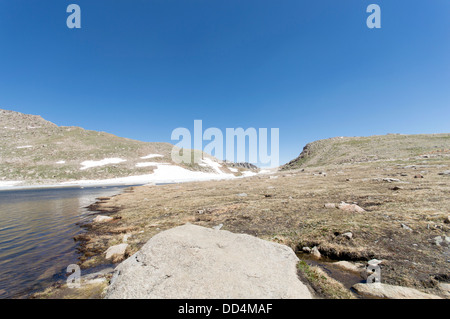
[{"x": 36, "y": 235}]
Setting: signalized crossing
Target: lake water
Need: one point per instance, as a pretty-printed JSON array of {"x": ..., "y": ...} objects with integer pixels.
[{"x": 36, "y": 235}]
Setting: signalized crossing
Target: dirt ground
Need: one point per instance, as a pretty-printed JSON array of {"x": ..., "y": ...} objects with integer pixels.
[{"x": 289, "y": 207}]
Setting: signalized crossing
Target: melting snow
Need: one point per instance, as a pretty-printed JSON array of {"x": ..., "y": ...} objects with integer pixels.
[{"x": 152, "y": 156}]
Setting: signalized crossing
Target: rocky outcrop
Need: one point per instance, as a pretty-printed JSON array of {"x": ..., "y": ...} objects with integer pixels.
[
  {"x": 196, "y": 262},
  {"x": 379, "y": 290}
]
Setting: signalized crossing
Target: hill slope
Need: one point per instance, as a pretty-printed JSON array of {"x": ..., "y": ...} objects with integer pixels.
[
  {"x": 340, "y": 150},
  {"x": 39, "y": 152}
]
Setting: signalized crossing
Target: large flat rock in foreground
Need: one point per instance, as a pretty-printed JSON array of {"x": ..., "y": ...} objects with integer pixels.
[{"x": 196, "y": 262}]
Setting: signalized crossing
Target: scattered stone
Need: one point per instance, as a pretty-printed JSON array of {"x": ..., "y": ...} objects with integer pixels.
[
  {"x": 315, "y": 252},
  {"x": 403, "y": 174},
  {"x": 418, "y": 176},
  {"x": 445, "y": 173},
  {"x": 447, "y": 220},
  {"x": 306, "y": 250},
  {"x": 438, "y": 240},
  {"x": 396, "y": 188},
  {"x": 193, "y": 262},
  {"x": 200, "y": 211},
  {"x": 391, "y": 180},
  {"x": 116, "y": 253},
  {"x": 218, "y": 227},
  {"x": 330, "y": 205},
  {"x": 348, "y": 235},
  {"x": 102, "y": 219},
  {"x": 406, "y": 227},
  {"x": 242, "y": 195},
  {"x": 352, "y": 208},
  {"x": 380, "y": 290}
]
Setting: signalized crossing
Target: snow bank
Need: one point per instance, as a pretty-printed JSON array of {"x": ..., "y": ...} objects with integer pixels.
[{"x": 164, "y": 173}]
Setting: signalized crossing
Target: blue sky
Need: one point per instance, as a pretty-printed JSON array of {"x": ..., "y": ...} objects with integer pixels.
[{"x": 140, "y": 69}]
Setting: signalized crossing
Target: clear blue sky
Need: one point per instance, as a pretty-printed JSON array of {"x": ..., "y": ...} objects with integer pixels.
[{"x": 141, "y": 68}]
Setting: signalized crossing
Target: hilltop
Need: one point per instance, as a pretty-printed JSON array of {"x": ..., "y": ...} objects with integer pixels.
[
  {"x": 36, "y": 151},
  {"x": 351, "y": 150}
]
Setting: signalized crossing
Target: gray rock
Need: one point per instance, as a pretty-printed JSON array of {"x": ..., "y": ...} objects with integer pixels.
[
  {"x": 391, "y": 180},
  {"x": 348, "y": 235},
  {"x": 406, "y": 227},
  {"x": 447, "y": 220},
  {"x": 306, "y": 250},
  {"x": 445, "y": 173},
  {"x": 330, "y": 205},
  {"x": 196, "y": 262},
  {"x": 242, "y": 195},
  {"x": 352, "y": 208},
  {"x": 379, "y": 290},
  {"x": 102, "y": 219},
  {"x": 437, "y": 240},
  {"x": 116, "y": 253},
  {"x": 315, "y": 252}
]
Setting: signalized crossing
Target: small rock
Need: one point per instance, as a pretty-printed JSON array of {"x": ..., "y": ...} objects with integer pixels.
[
  {"x": 330, "y": 205},
  {"x": 396, "y": 188},
  {"x": 218, "y": 227},
  {"x": 102, "y": 219},
  {"x": 418, "y": 176},
  {"x": 348, "y": 235},
  {"x": 438, "y": 240},
  {"x": 242, "y": 195},
  {"x": 200, "y": 211},
  {"x": 315, "y": 252},
  {"x": 352, "y": 208},
  {"x": 391, "y": 180},
  {"x": 306, "y": 250},
  {"x": 406, "y": 227},
  {"x": 445, "y": 173},
  {"x": 447, "y": 220},
  {"x": 116, "y": 253}
]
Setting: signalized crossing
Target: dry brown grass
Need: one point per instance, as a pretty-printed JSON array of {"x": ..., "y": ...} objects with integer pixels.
[{"x": 289, "y": 208}]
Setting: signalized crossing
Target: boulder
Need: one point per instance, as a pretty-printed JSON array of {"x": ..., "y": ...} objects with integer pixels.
[
  {"x": 330, "y": 205},
  {"x": 197, "y": 262},
  {"x": 351, "y": 208},
  {"x": 102, "y": 219},
  {"x": 315, "y": 252},
  {"x": 116, "y": 253},
  {"x": 379, "y": 290}
]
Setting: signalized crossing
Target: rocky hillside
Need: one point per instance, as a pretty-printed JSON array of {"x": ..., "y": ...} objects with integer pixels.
[
  {"x": 39, "y": 152},
  {"x": 391, "y": 147}
]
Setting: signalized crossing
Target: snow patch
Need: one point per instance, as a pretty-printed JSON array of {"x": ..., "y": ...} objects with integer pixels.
[
  {"x": 103, "y": 162},
  {"x": 61, "y": 162},
  {"x": 25, "y": 146},
  {"x": 152, "y": 156},
  {"x": 147, "y": 164}
]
